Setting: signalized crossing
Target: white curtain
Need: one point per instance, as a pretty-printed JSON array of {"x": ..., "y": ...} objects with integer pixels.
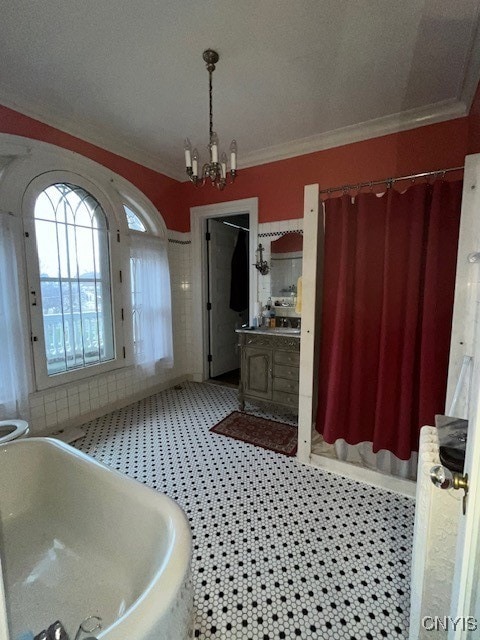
[
  {"x": 13, "y": 369},
  {"x": 383, "y": 461},
  {"x": 151, "y": 302}
]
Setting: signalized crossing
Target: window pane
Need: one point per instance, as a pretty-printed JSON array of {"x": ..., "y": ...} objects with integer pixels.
[
  {"x": 73, "y": 255},
  {"x": 136, "y": 305},
  {"x": 133, "y": 220}
]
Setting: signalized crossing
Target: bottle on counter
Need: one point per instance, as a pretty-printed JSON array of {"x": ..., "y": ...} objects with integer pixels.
[{"x": 272, "y": 317}]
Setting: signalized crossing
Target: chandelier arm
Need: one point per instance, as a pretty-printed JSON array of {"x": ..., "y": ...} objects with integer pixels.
[{"x": 198, "y": 182}]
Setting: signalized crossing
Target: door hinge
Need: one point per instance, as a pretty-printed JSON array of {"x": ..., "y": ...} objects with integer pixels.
[
  {"x": 208, "y": 236},
  {"x": 118, "y": 236},
  {"x": 122, "y": 315},
  {"x": 209, "y": 306},
  {"x": 33, "y": 338},
  {"x": 209, "y": 357},
  {"x": 121, "y": 276},
  {"x": 27, "y": 235},
  {"x": 124, "y": 352}
]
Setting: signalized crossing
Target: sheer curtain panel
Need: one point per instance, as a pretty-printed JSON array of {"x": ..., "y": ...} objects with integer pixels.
[
  {"x": 13, "y": 369},
  {"x": 151, "y": 302}
]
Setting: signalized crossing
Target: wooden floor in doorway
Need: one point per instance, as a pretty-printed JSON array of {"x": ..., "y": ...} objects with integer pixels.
[{"x": 229, "y": 379}]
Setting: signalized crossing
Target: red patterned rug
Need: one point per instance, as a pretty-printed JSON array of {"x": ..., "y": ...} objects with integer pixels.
[{"x": 269, "y": 434}]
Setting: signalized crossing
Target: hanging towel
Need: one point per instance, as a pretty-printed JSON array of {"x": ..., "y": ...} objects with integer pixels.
[
  {"x": 298, "y": 306},
  {"x": 239, "y": 283}
]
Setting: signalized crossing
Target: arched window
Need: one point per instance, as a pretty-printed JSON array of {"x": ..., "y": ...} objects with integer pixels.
[
  {"x": 82, "y": 227},
  {"x": 71, "y": 232},
  {"x": 74, "y": 270}
]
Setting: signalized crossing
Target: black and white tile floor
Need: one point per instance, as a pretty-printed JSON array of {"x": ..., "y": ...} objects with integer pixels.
[{"x": 281, "y": 550}]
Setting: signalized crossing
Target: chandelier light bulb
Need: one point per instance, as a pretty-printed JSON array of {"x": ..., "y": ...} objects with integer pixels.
[
  {"x": 223, "y": 164},
  {"x": 214, "y": 147},
  {"x": 188, "y": 152},
  {"x": 195, "y": 159},
  {"x": 233, "y": 155}
]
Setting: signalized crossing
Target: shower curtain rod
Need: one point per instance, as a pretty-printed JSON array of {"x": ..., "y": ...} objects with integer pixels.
[{"x": 389, "y": 181}]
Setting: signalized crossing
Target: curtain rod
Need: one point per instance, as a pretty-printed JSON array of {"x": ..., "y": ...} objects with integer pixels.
[
  {"x": 389, "y": 181},
  {"x": 237, "y": 226}
]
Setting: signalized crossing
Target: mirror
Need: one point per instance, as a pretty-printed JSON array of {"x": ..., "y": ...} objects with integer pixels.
[{"x": 286, "y": 267}]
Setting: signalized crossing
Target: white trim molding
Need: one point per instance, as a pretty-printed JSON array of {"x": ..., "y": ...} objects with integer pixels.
[
  {"x": 395, "y": 123},
  {"x": 362, "y": 474},
  {"x": 471, "y": 77},
  {"x": 311, "y": 312},
  {"x": 198, "y": 217}
]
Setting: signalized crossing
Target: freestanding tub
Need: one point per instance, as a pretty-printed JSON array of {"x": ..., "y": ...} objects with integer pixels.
[{"x": 78, "y": 539}]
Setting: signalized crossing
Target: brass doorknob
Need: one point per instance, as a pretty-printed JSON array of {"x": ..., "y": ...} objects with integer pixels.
[{"x": 443, "y": 478}]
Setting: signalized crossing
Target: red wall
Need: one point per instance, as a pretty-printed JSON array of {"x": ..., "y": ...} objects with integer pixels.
[
  {"x": 161, "y": 190},
  {"x": 279, "y": 185},
  {"x": 289, "y": 243}
]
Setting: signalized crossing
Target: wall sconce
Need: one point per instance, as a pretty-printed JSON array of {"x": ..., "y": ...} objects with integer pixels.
[{"x": 261, "y": 264}]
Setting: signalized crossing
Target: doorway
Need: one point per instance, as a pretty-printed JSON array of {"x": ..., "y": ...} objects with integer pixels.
[
  {"x": 227, "y": 294},
  {"x": 198, "y": 225}
]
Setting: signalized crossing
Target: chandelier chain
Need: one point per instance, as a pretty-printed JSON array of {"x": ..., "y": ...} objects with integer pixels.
[{"x": 210, "y": 95}]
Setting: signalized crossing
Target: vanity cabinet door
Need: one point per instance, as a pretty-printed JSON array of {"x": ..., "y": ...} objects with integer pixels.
[{"x": 257, "y": 372}]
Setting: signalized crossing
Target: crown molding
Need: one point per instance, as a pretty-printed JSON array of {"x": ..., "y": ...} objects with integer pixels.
[
  {"x": 471, "y": 78},
  {"x": 89, "y": 133},
  {"x": 404, "y": 121}
]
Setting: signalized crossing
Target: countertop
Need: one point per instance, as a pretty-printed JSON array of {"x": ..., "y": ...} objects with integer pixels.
[{"x": 273, "y": 331}]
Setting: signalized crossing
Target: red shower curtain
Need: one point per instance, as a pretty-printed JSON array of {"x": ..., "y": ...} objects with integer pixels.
[{"x": 389, "y": 278}]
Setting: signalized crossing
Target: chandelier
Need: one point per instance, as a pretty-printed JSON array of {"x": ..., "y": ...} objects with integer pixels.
[{"x": 214, "y": 170}]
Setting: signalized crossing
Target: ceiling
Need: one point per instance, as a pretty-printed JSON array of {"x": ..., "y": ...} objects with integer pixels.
[{"x": 293, "y": 76}]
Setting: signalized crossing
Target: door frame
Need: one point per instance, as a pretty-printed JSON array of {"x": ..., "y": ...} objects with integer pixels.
[
  {"x": 198, "y": 218},
  {"x": 466, "y": 341}
]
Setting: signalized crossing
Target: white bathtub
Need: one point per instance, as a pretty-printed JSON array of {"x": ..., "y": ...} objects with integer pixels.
[{"x": 78, "y": 539}]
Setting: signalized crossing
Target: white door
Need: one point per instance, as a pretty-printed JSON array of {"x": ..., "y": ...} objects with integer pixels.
[
  {"x": 466, "y": 341},
  {"x": 223, "y": 320}
]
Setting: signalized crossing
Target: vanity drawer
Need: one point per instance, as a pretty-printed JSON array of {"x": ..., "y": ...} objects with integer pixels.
[
  {"x": 289, "y": 399},
  {"x": 287, "y": 357},
  {"x": 284, "y": 371},
  {"x": 287, "y": 386}
]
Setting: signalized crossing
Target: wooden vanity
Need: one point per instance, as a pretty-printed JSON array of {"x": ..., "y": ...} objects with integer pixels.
[{"x": 270, "y": 361}]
